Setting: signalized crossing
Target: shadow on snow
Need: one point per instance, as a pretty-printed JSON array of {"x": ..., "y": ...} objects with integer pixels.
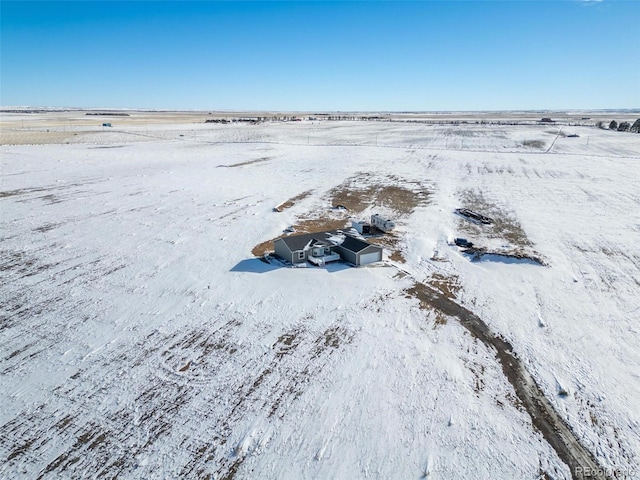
[{"x": 256, "y": 265}]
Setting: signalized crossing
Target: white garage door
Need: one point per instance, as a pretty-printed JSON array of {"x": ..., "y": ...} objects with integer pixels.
[{"x": 370, "y": 257}]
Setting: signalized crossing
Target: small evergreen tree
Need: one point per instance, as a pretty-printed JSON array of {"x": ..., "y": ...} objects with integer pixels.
[
  {"x": 624, "y": 127},
  {"x": 635, "y": 128},
  {"x": 613, "y": 125},
  {"x": 600, "y": 124}
]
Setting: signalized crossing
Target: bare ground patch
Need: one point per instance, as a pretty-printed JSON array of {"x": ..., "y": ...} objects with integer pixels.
[
  {"x": 263, "y": 248},
  {"x": 390, "y": 242},
  {"x": 364, "y": 190},
  {"x": 23, "y": 191},
  {"x": 313, "y": 225},
  {"x": 504, "y": 225},
  {"x": 396, "y": 256},
  {"x": 292, "y": 201},
  {"x": 559, "y": 133},
  {"x": 248, "y": 162},
  {"x": 510, "y": 255},
  {"x": 448, "y": 285},
  {"x": 539, "y": 144}
]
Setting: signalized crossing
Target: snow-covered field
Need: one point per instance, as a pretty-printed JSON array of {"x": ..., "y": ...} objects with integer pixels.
[{"x": 141, "y": 339}]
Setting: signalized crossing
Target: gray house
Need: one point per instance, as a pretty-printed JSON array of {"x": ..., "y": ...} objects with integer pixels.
[
  {"x": 323, "y": 247},
  {"x": 298, "y": 248}
]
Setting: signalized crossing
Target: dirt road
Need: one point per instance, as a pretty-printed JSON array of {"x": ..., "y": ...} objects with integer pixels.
[{"x": 579, "y": 460}]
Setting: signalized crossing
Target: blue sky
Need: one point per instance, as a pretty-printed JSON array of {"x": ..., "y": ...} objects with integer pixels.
[{"x": 400, "y": 56}]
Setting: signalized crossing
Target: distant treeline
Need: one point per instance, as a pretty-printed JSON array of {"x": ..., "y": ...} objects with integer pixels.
[
  {"x": 622, "y": 126},
  {"x": 32, "y": 111},
  {"x": 584, "y": 122},
  {"x": 254, "y": 120},
  {"x": 108, "y": 114}
]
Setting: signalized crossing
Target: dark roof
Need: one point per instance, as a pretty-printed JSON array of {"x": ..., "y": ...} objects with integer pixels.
[
  {"x": 354, "y": 244},
  {"x": 298, "y": 242}
]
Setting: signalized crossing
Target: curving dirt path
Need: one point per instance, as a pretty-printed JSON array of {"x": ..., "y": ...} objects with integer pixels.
[{"x": 580, "y": 461}]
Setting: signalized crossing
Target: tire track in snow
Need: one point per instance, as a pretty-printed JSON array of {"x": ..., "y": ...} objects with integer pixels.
[{"x": 543, "y": 416}]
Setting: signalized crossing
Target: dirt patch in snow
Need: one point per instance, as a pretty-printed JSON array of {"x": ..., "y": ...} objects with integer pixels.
[
  {"x": 559, "y": 133},
  {"x": 504, "y": 225},
  {"x": 364, "y": 190},
  {"x": 448, "y": 285},
  {"x": 248, "y": 162},
  {"x": 320, "y": 224},
  {"x": 478, "y": 371},
  {"x": 286, "y": 344},
  {"x": 396, "y": 256},
  {"x": 263, "y": 248},
  {"x": 505, "y": 256},
  {"x": 292, "y": 201},
  {"x": 23, "y": 191},
  {"x": 391, "y": 243},
  {"x": 539, "y": 144}
]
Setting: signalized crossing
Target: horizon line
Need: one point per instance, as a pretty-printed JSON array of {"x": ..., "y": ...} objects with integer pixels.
[{"x": 8, "y": 108}]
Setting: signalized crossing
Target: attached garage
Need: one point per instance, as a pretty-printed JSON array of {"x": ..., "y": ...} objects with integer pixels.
[
  {"x": 359, "y": 252},
  {"x": 370, "y": 257}
]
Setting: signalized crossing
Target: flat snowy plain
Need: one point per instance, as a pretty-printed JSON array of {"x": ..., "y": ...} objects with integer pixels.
[{"x": 140, "y": 338}]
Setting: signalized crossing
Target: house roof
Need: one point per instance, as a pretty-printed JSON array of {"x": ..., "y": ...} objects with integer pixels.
[
  {"x": 300, "y": 242},
  {"x": 354, "y": 244}
]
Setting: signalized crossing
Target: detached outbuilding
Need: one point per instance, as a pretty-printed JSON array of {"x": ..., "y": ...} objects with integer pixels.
[
  {"x": 363, "y": 228},
  {"x": 382, "y": 224}
]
